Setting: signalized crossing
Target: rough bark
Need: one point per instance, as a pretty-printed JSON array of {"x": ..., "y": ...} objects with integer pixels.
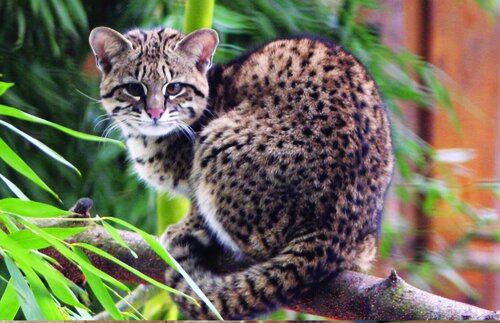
[{"x": 349, "y": 296}]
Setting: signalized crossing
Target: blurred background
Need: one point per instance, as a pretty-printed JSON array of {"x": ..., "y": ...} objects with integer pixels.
[{"x": 437, "y": 63}]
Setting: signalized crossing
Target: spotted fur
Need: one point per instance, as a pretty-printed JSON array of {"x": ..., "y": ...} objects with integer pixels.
[{"x": 286, "y": 153}]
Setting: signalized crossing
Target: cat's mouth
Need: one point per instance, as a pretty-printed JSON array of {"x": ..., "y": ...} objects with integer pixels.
[
  {"x": 156, "y": 128},
  {"x": 151, "y": 125}
]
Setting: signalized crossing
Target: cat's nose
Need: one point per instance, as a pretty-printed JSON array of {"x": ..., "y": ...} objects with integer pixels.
[{"x": 155, "y": 114}]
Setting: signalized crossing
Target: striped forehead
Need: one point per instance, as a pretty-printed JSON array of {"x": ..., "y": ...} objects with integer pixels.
[{"x": 151, "y": 48}]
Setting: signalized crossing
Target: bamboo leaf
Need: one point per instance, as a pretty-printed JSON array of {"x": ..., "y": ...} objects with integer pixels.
[
  {"x": 157, "y": 247},
  {"x": 97, "y": 286},
  {"x": 21, "y": 29},
  {"x": 9, "y": 224},
  {"x": 49, "y": 24},
  {"x": 4, "y": 86},
  {"x": 29, "y": 240},
  {"x": 12, "y": 159},
  {"x": 63, "y": 16},
  {"x": 23, "y": 291},
  {"x": 35, "y": 7},
  {"x": 78, "y": 12},
  {"x": 117, "y": 237},
  {"x": 61, "y": 247},
  {"x": 30, "y": 262},
  {"x": 81, "y": 315},
  {"x": 134, "y": 271},
  {"x": 14, "y": 189},
  {"x": 44, "y": 148},
  {"x": 15, "y": 113},
  {"x": 30, "y": 208},
  {"x": 48, "y": 305},
  {"x": 9, "y": 304},
  {"x": 59, "y": 285},
  {"x": 150, "y": 240}
]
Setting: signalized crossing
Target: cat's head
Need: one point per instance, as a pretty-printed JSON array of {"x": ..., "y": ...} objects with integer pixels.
[{"x": 153, "y": 81}]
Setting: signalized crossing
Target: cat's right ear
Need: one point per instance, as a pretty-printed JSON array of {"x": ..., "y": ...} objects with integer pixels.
[
  {"x": 200, "y": 47},
  {"x": 107, "y": 44}
]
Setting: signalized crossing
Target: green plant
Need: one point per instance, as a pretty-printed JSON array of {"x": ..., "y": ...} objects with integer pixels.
[
  {"x": 44, "y": 46},
  {"x": 21, "y": 241},
  {"x": 49, "y": 85}
]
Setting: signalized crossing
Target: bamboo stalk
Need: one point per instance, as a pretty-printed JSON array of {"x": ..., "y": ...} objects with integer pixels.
[{"x": 198, "y": 14}]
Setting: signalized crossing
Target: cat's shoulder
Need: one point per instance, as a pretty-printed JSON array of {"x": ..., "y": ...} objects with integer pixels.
[{"x": 296, "y": 45}]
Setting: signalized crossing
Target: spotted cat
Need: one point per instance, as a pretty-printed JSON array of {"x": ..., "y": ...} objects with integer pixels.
[{"x": 285, "y": 152}]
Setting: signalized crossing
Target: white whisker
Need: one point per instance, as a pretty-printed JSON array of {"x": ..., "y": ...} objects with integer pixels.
[
  {"x": 103, "y": 118},
  {"x": 88, "y": 96},
  {"x": 113, "y": 126},
  {"x": 187, "y": 131}
]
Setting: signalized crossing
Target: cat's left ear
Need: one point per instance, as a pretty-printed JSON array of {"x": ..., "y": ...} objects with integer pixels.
[
  {"x": 108, "y": 45},
  {"x": 199, "y": 46}
]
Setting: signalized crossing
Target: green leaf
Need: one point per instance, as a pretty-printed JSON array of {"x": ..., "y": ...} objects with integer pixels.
[
  {"x": 35, "y": 7},
  {"x": 59, "y": 285},
  {"x": 24, "y": 293},
  {"x": 7, "y": 221},
  {"x": 49, "y": 24},
  {"x": 150, "y": 240},
  {"x": 117, "y": 237},
  {"x": 14, "y": 189},
  {"x": 9, "y": 304},
  {"x": 78, "y": 12},
  {"x": 61, "y": 247},
  {"x": 48, "y": 305},
  {"x": 29, "y": 240},
  {"x": 12, "y": 159},
  {"x": 30, "y": 208},
  {"x": 4, "y": 86},
  {"x": 65, "y": 23},
  {"x": 47, "y": 150},
  {"x": 15, "y": 113},
  {"x": 442, "y": 96},
  {"x": 157, "y": 247},
  {"x": 134, "y": 271},
  {"x": 21, "y": 30},
  {"x": 81, "y": 315},
  {"x": 157, "y": 304},
  {"x": 29, "y": 263},
  {"x": 97, "y": 286}
]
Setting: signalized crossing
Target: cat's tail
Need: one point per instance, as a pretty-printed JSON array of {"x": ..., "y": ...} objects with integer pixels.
[{"x": 265, "y": 286}]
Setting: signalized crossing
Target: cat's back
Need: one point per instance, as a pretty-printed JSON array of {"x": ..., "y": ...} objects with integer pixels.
[
  {"x": 304, "y": 76},
  {"x": 299, "y": 126},
  {"x": 306, "y": 89}
]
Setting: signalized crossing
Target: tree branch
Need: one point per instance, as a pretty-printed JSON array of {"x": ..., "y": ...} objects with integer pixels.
[{"x": 348, "y": 296}]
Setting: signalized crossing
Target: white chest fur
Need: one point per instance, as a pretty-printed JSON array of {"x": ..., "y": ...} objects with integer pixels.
[
  {"x": 208, "y": 210},
  {"x": 152, "y": 168}
]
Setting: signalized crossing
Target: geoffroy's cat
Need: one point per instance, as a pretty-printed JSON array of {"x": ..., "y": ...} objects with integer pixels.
[{"x": 285, "y": 152}]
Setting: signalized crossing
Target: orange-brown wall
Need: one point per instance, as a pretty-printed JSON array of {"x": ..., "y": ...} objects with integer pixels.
[{"x": 463, "y": 41}]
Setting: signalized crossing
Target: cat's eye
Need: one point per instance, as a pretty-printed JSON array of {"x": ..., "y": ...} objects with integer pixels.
[
  {"x": 135, "y": 89},
  {"x": 173, "y": 89}
]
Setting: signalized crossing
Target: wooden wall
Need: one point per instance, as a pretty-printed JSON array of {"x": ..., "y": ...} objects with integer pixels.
[{"x": 463, "y": 41}]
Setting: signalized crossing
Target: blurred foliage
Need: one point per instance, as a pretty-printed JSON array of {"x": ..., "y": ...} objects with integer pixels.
[
  {"x": 44, "y": 45},
  {"x": 44, "y": 50},
  {"x": 24, "y": 292}
]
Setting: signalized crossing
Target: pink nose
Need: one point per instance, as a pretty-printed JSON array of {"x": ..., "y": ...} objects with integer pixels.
[{"x": 155, "y": 114}]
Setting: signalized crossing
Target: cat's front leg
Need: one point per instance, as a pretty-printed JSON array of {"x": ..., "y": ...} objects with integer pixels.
[
  {"x": 190, "y": 244},
  {"x": 190, "y": 232}
]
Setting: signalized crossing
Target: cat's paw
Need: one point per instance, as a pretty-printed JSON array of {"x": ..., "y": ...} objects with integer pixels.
[{"x": 180, "y": 236}]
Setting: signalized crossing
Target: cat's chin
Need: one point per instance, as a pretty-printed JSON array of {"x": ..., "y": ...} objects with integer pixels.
[{"x": 155, "y": 131}]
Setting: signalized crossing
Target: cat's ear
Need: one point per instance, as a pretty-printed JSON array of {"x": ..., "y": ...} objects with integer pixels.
[
  {"x": 107, "y": 44},
  {"x": 199, "y": 46}
]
